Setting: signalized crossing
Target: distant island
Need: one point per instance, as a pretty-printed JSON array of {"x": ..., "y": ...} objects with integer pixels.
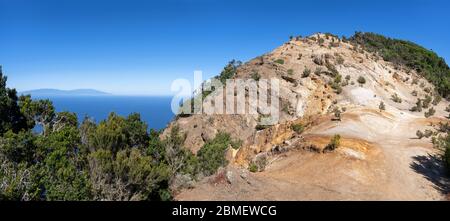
[{"x": 56, "y": 92}]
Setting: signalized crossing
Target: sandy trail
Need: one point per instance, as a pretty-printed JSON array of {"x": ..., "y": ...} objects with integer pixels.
[
  {"x": 401, "y": 173},
  {"x": 379, "y": 159}
]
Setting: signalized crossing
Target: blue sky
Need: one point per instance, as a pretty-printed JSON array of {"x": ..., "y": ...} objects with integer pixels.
[{"x": 140, "y": 47}]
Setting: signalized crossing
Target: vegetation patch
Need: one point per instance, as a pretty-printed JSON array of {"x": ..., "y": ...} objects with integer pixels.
[
  {"x": 212, "y": 155},
  {"x": 408, "y": 54},
  {"x": 298, "y": 128},
  {"x": 335, "y": 142},
  {"x": 279, "y": 61}
]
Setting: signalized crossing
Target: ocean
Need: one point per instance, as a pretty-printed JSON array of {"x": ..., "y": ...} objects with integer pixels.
[{"x": 155, "y": 111}]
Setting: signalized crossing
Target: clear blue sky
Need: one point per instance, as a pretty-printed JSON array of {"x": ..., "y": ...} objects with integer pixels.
[{"x": 139, "y": 47}]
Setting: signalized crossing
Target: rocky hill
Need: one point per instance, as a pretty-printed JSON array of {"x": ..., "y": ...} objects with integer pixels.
[{"x": 347, "y": 130}]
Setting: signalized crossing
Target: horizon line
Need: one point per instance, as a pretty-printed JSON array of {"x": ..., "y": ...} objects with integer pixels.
[{"x": 105, "y": 93}]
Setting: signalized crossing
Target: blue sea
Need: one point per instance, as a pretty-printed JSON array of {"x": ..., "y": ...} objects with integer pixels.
[{"x": 155, "y": 111}]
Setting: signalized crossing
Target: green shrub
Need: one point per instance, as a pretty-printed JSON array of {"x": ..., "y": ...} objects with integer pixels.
[
  {"x": 337, "y": 113},
  {"x": 279, "y": 61},
  {"x": 332, "y": 69},
  {"x": 290, "y": 71},
  {"x": 256, "y": 76},
  {"x": 253, "y": 167},
  {"x": 318, "y": 71},
  {"x": 419, "y": 134},
  {"x": 306, "y": 73},
  {"x": 229, "y": 71},
  {"x": 212, "y": 155},
  {"x": 334, "y": 143},
  {"x": 361, "y": 80},
  {"x": 428, "y": 133},
  {"x": 430, "y": 112},
  {"x": 285, "y": 108},
  {"x": 418, "y": 107},
  {"x": 338, "y": 78},
  {"x": 321, "y": 41},
  {"x": 426, "y": 102},
  {"x": 336, "y": 86},
  {"x": 443, "y": 143},
  {"x": 396, "y": 98},
  {"x": 298, "y": 128},
  {"x": 437, "y": 99},
  {"x": 338, "y": 90},
  {"x": 261, "y": 162},
  {"x": 236, "y": 144}
]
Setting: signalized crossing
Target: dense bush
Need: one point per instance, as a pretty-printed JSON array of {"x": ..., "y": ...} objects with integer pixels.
[
  {"x": 212, "y": 154},
  {"x": 443, "y": 143},
  {"x": 430, "y": 112},
  {"x": 11, "y": 118},
  {"x": 117, "y": 159},
  {"x": 411, "y": 55},
  {"x": 229, "y": 71},
  {"x": 335, "y": 86},
  {"x": 298, "y": 128},
  {"x": 426, "y": 101},
  {"x": 332, "y": 69}
]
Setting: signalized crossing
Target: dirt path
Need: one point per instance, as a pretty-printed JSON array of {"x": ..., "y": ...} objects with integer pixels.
[
  {"x": 406, "y": 167},
  {"x": 379, "y": 159}
]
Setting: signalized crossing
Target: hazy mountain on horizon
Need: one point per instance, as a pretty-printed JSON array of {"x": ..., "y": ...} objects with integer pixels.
[{"x": 57, "y": 92}]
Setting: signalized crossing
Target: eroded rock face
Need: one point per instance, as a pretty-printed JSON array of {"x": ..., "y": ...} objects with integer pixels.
[
  {"x": 303, "y": 96},
  {"x": 374, "y": 161}
]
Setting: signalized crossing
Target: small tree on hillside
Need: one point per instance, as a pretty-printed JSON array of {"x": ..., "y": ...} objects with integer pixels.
[
  {"x": 334, "y": 143},
  {"x": 337, "y": 113},
  {"x": 361, "y": 80},
  {"x": 430, "y": 112},
  {"x": 418, "y": 107},
  {"x": 396, "y": 98},
  {"x": 419, "y": 134},
  {"x": 306, "y": 73},
  {"x": 382, "y": 107}
]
